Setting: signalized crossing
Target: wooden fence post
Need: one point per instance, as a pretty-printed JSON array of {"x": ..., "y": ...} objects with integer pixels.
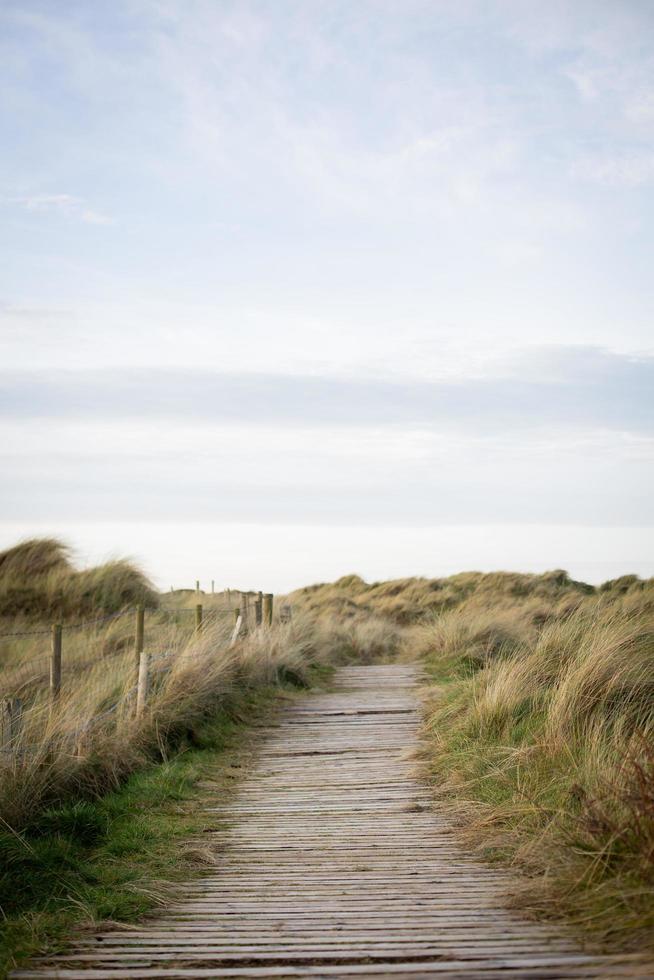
[
  {"x": 142, "y": 683},
  {"x": 244, "y": 610},
  {"x": 268, "y": 608},
  {"x": 258, "y": 610},
  {"x": 285, "y": 614},
  {"x": 139, "y": 633},
  {"x": 55, "y": 662},
  {"x": 197, "y": 585},
  {"x": 238, "y": 622},
  {"x": 11, "y": 716},
  {"x": 198, "y": 618}
]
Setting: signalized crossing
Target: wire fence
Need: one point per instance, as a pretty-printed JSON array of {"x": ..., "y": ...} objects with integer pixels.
[{"x": 107, "y": 667}]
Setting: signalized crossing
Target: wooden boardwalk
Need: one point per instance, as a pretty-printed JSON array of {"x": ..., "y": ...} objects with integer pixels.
[{"x": 336, "y": 865}]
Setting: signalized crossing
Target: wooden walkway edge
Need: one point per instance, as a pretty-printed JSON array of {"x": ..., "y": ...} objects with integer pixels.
[{"x": 336, "y": 864}]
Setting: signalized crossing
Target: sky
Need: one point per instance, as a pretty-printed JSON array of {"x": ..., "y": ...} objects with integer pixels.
[{"x": 296, "y": 288}]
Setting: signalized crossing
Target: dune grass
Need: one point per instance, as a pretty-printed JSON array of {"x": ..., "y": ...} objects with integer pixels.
[
  {"x": 39, "y": 582},
  {"x": 112, "y": 857},
  {"x": 539, "y": 728},
  {"x": 96, "y": 798},
  {"x": 545, "y": 742},
  {"x": 98, "y": 802},
  {"x": 92, "y": 738}
]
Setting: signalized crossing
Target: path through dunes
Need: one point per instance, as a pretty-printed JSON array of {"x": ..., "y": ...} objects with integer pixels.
[{"x": 336, "y": 865}]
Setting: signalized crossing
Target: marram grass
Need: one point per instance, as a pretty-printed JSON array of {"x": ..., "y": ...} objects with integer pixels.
[{"x": 539, "y": 728}]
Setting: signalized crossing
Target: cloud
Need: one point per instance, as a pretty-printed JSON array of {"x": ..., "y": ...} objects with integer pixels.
[
  {"x": 576, "y": 364},
  {"x": 551, "y": 435},
  {"x": 66, "y": 205},
  {"x": 197, "y": 489},
  {"x": 625, "y": 168},
  {"x": 9, "y": 311},
  {"x": 583, "y": 388}
]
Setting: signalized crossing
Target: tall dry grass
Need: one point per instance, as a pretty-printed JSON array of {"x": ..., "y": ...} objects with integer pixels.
[
  {"x": 539, "y": 730},
  {"x": 539, "y": 727},
  {"x": 412, "y": 600},
  {"x": 86, "y": 740},
  {"x": 92, "y": 738},
  {"x": 38, "y": 581},
  {"x": 543, "y": 737}
]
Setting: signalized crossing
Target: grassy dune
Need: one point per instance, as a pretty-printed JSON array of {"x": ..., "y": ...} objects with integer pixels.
[
  {"x": 539, "y": 726},
  {"x": 93, "y": 798},
  {"x": 38, "y": 581},
  {"x": 91, "y": 739}
]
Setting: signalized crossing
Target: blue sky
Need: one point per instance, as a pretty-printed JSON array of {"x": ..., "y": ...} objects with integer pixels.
[{"x": 329, "y": 265}]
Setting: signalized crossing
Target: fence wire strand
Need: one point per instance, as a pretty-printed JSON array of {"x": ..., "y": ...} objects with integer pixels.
[{"x": 70, "y": 626}]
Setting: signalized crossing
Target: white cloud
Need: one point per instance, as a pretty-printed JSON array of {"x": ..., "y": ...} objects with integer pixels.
[
  {"x": 66, "y": 205},
  {"x": 364, "y": 191},
  {"x": 553, "y": 389},
  {"x": 640, "y": 106},
  {"x": 626, "y": 169}
]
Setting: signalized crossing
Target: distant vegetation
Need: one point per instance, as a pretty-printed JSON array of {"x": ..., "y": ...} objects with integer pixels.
[
  {"x": 539, "y": 725},
  {"x": 411, "y": 600}
]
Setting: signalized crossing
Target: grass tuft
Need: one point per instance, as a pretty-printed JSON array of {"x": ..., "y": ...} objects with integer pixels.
[{"x": 38, "y": 581}]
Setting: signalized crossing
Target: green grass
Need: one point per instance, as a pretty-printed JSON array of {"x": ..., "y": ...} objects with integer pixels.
[{"x": 118, "y": 857}]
